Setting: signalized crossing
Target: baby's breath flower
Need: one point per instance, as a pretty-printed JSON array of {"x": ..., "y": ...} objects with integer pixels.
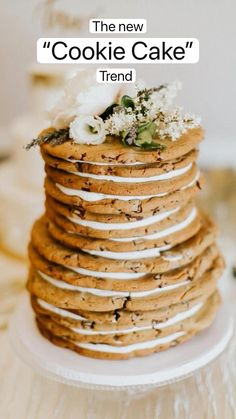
[
  {"x": 174, "y": 123},
  {"x": 119, "y": 122},
  {"x": 148, "y": 106}
]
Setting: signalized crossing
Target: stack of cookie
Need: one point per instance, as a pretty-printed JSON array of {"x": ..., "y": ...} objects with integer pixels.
[{"x": 123, "y": 263}]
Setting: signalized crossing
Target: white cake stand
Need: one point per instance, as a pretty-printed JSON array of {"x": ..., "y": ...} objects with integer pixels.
[{"x": 70, "y": 368}]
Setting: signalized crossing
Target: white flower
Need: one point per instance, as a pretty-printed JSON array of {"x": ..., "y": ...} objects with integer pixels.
[
  {"x": 83, "y": 96},
  {"x": 119, "y": 122},
  {"x": 174, "y": 123},
  {"x": 88, "y": 130}
]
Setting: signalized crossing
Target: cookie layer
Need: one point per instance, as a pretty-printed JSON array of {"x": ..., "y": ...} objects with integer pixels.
[
  {"x": 186, "y": 330},
  {"x": 178, "y": 256},
  {"x": 175, "y": 234},
  {"x": 143, "y": 228},
  {"x": 57, "y": 292},
  {"x": 112, "y": 320},
  {"x": 143, "y": 282},
  {"x": 127, "y": 336},
  {"x": 114, "y": 204},
  {"x": 112, "y": 151},
  {"x": 141, "y": 171},
  {"x": 101, "y": 186}
]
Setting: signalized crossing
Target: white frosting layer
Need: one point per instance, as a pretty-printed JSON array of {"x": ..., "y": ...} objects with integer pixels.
[
  {"x": 175, "y": 228},
  {"x": 107, "y": 293},
  {"x": 100, "y": 347},
  {"x": 147, "y": 253},
  {"x": 60, "y": 311},
  {"x": 192, "y": 182},
  {"x": 119, "y": 179},
  {"x": 108, "y": 275},
  {"x": 124, "y": 226},
  {"x": 94, "y": 196},
  {"x": 162, "y": 325},
  {"x": 172, "y": 258}
]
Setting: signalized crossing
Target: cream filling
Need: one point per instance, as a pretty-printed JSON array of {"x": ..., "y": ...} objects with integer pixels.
[
  {"x": 162, "y": 325},
  {"x": 107, "y": 293},
  {"x": 60, "y": 311},
  {"x": 100, "y": 347},
  {"x": 123, "y": 226},
  {"x": 108, "y": 275},
  {"x": 94, "y": 196},
  {"x": 119, "y": 179},
  {"x": 147, "y": 253},
  {"x": 175, "y": 228},
  {"x": 172, "y": 257},
  {"x": 192, "y": 182}
]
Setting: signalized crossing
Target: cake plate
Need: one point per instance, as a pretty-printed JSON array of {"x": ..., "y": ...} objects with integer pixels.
[{"x": 162, "y": 368}]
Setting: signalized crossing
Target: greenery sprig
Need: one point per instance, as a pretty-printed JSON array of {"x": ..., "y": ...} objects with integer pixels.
[
  {"x": 143, "y": 136},
  {"x": 56, "y": 137}
]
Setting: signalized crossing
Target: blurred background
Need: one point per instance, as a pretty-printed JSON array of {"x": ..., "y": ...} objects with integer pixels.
[{"x": 28, "y": 89}]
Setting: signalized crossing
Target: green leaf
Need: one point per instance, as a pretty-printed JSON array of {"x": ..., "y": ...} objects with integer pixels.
[
  {"x": 144, "y": 137},
  {"x": 127, "y": 102},
  {"x": 108, "y": 111},
  {"x": 152, "y": 146},
  {"x": 150, "y": 126},
  {"x": 156, "y": 146},
  {"x": 145, "y": 133}
]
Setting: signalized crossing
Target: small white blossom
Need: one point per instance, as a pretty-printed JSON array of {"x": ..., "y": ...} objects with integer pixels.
[
  {"x": 174, "y": 123},
  {"x": 120, "y": 122},
  {"x": 88, "y": 130}
]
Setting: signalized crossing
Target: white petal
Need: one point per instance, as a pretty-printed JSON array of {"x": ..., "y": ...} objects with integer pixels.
[{"x": 81, "y": 133}]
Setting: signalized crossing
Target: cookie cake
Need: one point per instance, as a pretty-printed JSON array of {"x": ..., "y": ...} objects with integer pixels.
[{"x": 123, "y": 263}]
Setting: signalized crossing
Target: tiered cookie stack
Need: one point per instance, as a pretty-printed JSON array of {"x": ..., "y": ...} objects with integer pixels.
[{"x": 123, "y": 263}]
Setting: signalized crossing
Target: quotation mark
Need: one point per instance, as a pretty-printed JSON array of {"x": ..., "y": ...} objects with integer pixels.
[
  {"x": 46, "y": 44},
  {"x": 189, "y": 44}
]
